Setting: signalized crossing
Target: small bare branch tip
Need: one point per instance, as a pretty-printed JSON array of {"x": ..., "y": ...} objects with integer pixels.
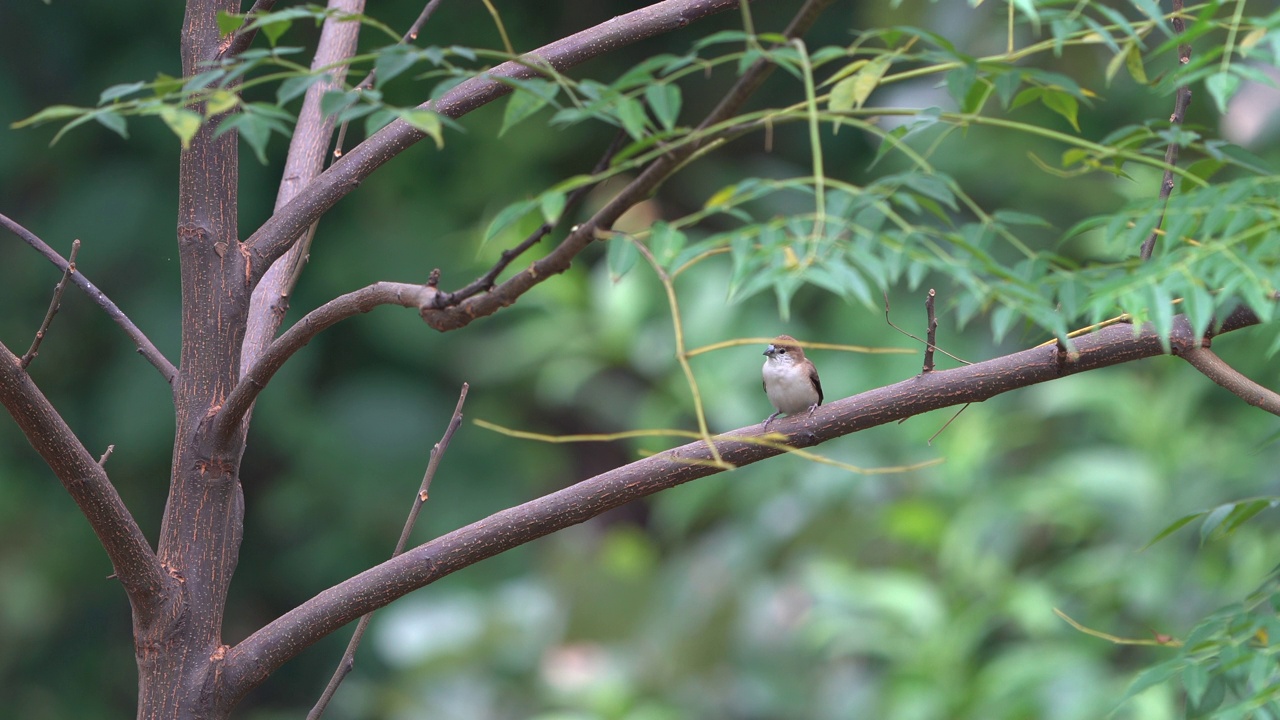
[
  {"x": 106, "y": 455},
  {"x": 931, "y": 332},
  {"x": 54, "y": 306},
  {"x": 433, "y": 280}
]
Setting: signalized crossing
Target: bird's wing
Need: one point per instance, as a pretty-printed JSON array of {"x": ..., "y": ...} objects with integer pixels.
[{"x": 817, "y": 384}]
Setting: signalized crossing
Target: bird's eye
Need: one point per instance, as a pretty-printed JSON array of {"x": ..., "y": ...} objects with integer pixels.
[{"x": 782, "y": 351}]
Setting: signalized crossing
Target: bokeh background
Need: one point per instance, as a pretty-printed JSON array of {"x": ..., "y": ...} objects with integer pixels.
[{"x": 782, "y": 590}]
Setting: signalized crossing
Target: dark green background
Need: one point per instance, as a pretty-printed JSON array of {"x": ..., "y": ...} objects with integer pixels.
[{"x": 785, "y": 589}]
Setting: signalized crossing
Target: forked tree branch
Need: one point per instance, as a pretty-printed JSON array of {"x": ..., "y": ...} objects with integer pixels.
[
  {"x": 87, "y": 483},
  {"x": 140, "y": 341},
  {"x": 304, "y": 331},
  {"x": 485, "y": 282},
  {"x": 559, "y": 259},
  {"x": 251, "y": 661},
  {"x": 279, "y": 232},
  {"x": 308, "y": 150},
  {"x": 1217, "y": 370}
]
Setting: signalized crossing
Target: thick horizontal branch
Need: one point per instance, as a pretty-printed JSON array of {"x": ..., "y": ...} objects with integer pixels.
[
  {"x": 1217, "y": 370},
  {"x": 143, "y": 344},
  {"x": 304, "y": 331},
  {"x": 251, "y": 661},
  {"x": 280, "y": 231},
  {"x": 86, "y": 482}
]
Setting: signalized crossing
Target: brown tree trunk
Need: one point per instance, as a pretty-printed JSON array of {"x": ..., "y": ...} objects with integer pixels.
[{"x": 203, "y": 520}]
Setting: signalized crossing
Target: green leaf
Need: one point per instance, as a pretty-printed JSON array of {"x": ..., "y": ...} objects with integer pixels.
[
  {"x": 295, "y": 86},
  {"x": 552, "y": 205},
  {"x": 115, "y": 92},
  {"x": 53, "y": 112},
  {"x": 622, "y": 256},
  {"x": 631, "y": 113},
  {"x": 666, "y": 243},
  {"x": 1195, "y": 680},
  {"x": 1062, "y": 103},
  {"x": 1214, "y": 519},
  {"x": 273, "y": 30},
  {"x": 853, "y": 91},
  {"x": 113, "y": 122},
  {"x": 184, "y": 123},
  {"x": 335, "y": 101},
  {"x": 529, "y": 97},
  {"x": 664, "y": 101},
  {"x": 1014, "y": 217},
  {"x": 1133, "y": 62},
  {"x": 165, "y": 84},
  {"x": 1153, "y": 676},
  {"x": 1171, "y": 528},
  {"x": 228, "y": 23},
  {"x": 506, "y": 217},
  {"x": 392, "y": 61},
  {"x": 220, "y": 101},
  {"x": 377, "y": 120},
  {"x": 1203, "y": 169},
  {"x": 1222, "y": 86},
  {"x": 424, "y": 121},
  {"x": 959, "y": 81},
  {"x": 1006, "y": 85}
]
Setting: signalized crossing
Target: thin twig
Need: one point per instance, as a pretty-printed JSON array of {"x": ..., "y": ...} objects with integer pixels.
[
  {"x": 1217, "y": 370},
  {"x": 367, "y": 82},
  {"x": 1181, "y": 101},
  {"x": 240, "y": 40},
  {"x": 485, "y": 282},
  {"x": 931, "y": 332},
  {"x": 946, "y": 424},
  {"x": 348, "y": 658},
  {"x": 106, "y": 455},
  {"x": 140, "y": 341},
  {"x": 53, "y": 307},
  {"x": 913, "y": 337}
]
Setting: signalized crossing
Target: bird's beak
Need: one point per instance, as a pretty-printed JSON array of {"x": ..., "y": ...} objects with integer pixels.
[{"x": 770, "y": 351}]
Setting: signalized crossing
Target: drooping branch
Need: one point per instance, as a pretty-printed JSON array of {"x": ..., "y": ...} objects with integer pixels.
[
  {"x": 280, "y": 231},
  {"x": 1217, "y": 370},
  {"x": 304, "y": 331},
  {"x": 251, "y": 661},
  {"x": 88, "y": 485},
  {"x": 140, "y": 341}
]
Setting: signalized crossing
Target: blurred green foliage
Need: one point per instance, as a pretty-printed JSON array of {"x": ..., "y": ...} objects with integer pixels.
[{"x": 781, "y": 590}]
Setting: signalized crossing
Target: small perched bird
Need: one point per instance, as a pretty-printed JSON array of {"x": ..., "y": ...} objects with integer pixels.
[{"x": 790, "y": 379}]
